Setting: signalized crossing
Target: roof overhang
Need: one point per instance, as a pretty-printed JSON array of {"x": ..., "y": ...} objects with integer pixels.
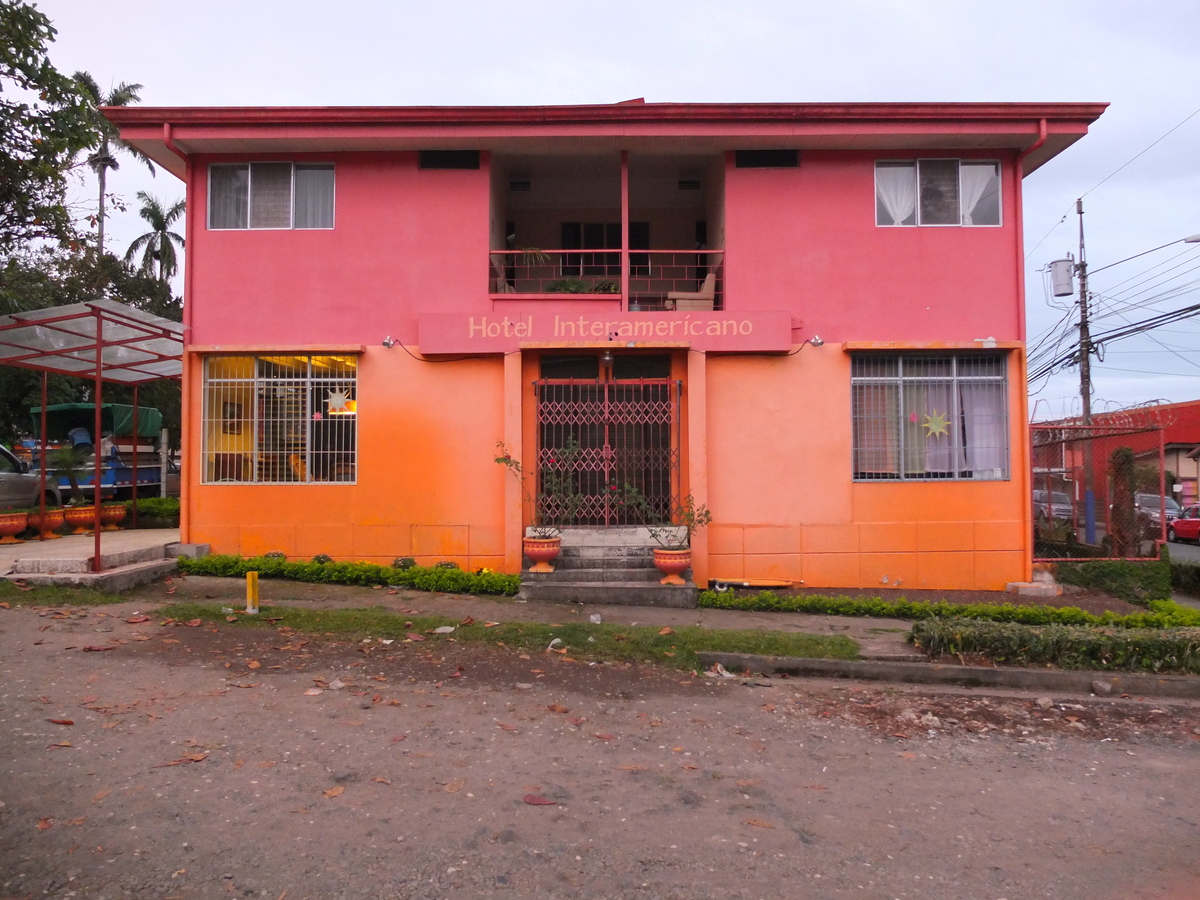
[
  {"x": 170, "y": 135},
  {"x": 99, "y": 338}
]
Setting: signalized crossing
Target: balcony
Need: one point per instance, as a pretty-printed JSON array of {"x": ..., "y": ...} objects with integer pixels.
[{"x": 654, "y": 277}]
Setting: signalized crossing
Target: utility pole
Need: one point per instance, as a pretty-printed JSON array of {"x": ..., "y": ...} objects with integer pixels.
[{"x": 1085, "y": 386}]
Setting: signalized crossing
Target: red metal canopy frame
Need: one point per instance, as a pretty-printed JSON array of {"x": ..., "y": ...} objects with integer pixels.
[{"x": 101, "y": 340}]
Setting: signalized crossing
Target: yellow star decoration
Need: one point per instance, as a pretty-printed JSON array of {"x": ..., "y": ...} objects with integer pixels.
[
  {"x": 937, "y": 425},
  {"x": 337, "y": 401}
]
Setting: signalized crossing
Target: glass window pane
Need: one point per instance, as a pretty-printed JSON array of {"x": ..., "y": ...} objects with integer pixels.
[
  {"x": 228, "y": 189},
  {"x": 314, "y": 196},
  {"x": 939, "y": 191},
  {"x": 895, "y": 193},
  {"x": 271, "y": 195},
  {"x": 980, "y": 193},
  {"x": 876, "y": 426}
]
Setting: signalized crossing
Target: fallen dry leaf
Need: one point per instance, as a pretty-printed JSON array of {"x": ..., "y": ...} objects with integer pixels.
[
  {"x": 268, "y": 764},
  {"x": 815, "y": 787},
  {"x": 748, "y": 782},
  {"x": 78, "y": 821},
  {"x": 576, "y": 720},
  {"x": 92, "y": 648},
  {"x": 506, "y": 727},
  {"x": 556, "y": 708},
  {"x": 491, "y": 625},
  {"x": 254, "y": 664},
  {"x": 312, "y": 692},
  {"x": 413, "y": 636},
  {"x": 183, "y": 760},
  {"x": 666, "y": 629},
  {"x": 467, "y": 621},
  {"x": 59, "y": 744},
  {"x": 335, "y": 791},
  {"x": 455, "y": 786},
  {"x": 100, "y": 795},
  {"x": 191, "y": 623},
  {"x": 4, "y": 605},
  {"x": 604, "y": 737},
  {"x": 759, "y": 823},
  {"x": 45, "y": 823},
  {"x": 381, "y": 780},
  {"x": 61, "y": 721},
  {"x": 137, "y": 620},
  {"x": 632, "y": 768},
  {"x": 238, "y": 763},
  {"x": 536, "y": 800},
  {"x": 396, "y": 738}
]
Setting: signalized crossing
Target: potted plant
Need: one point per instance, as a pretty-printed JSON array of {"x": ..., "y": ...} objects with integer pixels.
[
  {"x": 69, "y": 463},
  {"x": 46, "y": 524},
  {"x": 12, "y": 523},
  {"x": 673, "y": 556},
  {"x": 554, "y": 502}
]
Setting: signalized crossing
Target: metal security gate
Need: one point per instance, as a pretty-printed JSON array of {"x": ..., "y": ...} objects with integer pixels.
[{"x": 603, "y": 446}]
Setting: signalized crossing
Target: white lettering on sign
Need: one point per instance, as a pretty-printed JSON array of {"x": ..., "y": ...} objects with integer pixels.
[{"x": 586, "y": 328}]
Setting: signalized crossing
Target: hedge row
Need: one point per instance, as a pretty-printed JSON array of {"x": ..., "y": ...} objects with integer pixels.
[
  {"x": 422, "y": 578},
  {"x": 1137, "y": 581},
  {"x": 1065, "y": 646},
  {"x": 1162, "y": 614},
  {"x": 1185, "y": 578}
]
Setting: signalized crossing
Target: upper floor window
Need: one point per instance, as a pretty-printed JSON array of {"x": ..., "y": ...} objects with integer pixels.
[
  {"x": 937, "y": 192},
  {"x": 921, "y": 416},
  {"x": 270, "y": 195}
]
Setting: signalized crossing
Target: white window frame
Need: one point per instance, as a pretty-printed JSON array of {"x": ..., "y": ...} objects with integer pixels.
[
  {"x": 249, "y": 391},
  {"x": 915, "y": 164},
  {"x": 958, "y": 446},
  {"x": 249, "y": 167}
]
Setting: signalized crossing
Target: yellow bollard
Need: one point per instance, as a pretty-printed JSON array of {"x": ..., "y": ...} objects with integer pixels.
[{"x": 252, "y": 593}]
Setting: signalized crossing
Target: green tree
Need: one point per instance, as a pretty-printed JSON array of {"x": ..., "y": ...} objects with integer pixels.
[
  {"x": 157, "y": 245},
  {"x": 43, "y": 125},
  {"x": 106, "y": 138}
]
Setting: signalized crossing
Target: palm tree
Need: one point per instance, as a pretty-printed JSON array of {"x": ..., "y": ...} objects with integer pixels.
[
  {"x": 107, "y": 140},
  {"x": 157, "y": 245}
]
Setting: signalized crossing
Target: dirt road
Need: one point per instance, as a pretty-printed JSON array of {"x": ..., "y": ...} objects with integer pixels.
[{"x": 210, "y": 763}]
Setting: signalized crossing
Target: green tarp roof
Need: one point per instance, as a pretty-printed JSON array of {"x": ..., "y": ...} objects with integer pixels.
[{"x": 115, "y": 418}]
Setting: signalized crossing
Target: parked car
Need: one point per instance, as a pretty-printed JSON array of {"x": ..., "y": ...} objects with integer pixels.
[
  {"x": 1051, "y": 505},
  {"x": 19, "y": 487},
  {"x": 1187, "y": 526},
  {"x": 1149, "y": 508}
]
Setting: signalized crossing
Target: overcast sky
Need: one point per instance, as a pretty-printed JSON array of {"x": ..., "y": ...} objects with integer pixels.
[{"x": 1140, "y": 57}]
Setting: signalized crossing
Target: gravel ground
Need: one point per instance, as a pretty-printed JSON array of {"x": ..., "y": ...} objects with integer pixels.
[{"x": 204, "y": 762}]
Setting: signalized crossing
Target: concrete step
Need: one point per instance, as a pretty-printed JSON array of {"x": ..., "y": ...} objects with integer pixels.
[
  {"x": 115, "y": 580},
  {"x": 596, "y": 576},
  {"x": 34, "y": 564},
  {"x": 628, "y": 593}
]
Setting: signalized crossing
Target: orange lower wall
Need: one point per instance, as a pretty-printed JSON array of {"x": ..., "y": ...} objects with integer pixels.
[{"x": 777, "y": 437}]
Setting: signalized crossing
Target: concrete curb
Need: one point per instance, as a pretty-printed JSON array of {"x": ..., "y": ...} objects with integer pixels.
[{"x": 1038, "y": 680}]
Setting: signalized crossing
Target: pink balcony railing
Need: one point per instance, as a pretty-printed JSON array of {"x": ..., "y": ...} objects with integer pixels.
[{"x": 653, "y": 274}]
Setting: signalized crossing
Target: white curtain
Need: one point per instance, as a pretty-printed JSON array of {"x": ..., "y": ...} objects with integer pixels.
[
  {"x": 973, "y": 181},
  {"x": 896, "y": 187},
  {"x": 314, "y": 196},
  {"x": 985, "y": 427}
]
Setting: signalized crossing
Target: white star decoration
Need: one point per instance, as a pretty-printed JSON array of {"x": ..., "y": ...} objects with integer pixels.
[{"x": 337, "y": 401}]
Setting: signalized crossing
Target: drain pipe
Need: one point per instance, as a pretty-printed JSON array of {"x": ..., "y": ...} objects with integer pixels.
[{"x": 724, "y": 584}]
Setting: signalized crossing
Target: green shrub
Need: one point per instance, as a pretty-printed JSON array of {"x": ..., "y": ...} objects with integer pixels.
[
  {"x": 155, "y": 507},
  {"x": 322, "y": 558},
  {"x": 1185, "y": 578},
  {"x": 1162, "y": 614},
  {"x": 424, "y": 578},
  {"x": 1066, "y": 646},
  {"x": 1135, "y": 580}
]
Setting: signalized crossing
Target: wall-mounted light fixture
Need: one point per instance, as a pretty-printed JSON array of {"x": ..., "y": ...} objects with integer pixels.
[
  {"x": 388, "y": 342},
  {"x": 606, "y": 358}
]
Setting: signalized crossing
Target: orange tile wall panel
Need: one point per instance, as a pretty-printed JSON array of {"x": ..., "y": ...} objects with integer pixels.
[
  {"x": 887, "y": 537},
  {"x": 879, "y": 570},
  {"x": 773, "y": 566},
  {"x": 829, "y": 538},
  {"x": 831, "y": 570},
  {"x": 994, "y": 570},
  {"x": 945, "y": 536},
  {"x": 760, "y": 539},
  {"x": 945, "y": 571}
]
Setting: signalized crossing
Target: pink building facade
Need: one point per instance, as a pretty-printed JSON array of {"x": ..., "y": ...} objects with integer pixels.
[{"x": 808, "y": 317}]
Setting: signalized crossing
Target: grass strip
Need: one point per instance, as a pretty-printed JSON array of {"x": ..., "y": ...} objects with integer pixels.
[
  {"x": 54, "y": 595},
  {"x": 421, "y": 578},
  {"x": 1162, "y": 613},
  {"x": 581, "y": 640},
  {"x": 1174, "y": 650}
]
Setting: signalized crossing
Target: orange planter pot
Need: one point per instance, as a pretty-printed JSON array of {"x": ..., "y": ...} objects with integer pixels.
[
  {"x": 80, "y": 518},
  {"x": 46, "y": 526},
  {"x": 110, "y": 515},
  {"x": 12, "y": 524},
  {"x": 541, "y": 551},
  {"x": 672, "y": 563}
]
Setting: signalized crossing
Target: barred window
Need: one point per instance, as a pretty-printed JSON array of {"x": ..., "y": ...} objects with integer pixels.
[
  {"x": 924, "y": 416},
  {"x": 280, "y": 419}
]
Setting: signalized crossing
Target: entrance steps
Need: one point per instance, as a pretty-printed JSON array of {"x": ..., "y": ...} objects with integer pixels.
[
  {"x": 128, "y": 559},
  {"x": 606, "y": 565}
]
